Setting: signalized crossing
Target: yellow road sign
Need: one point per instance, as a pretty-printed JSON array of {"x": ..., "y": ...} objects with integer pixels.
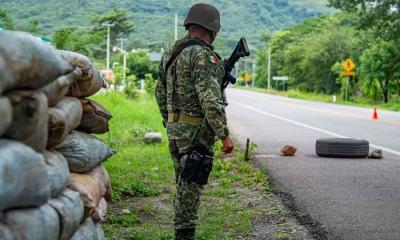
[
  {"x": 247, "y": 77},
  {"x": 348, "y": 65},
  {"x": 348, "y": 73}
]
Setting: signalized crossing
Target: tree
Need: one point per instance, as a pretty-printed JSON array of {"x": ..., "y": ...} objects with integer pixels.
[
  {"x": 33, "y": 26},
  {"x": 118, "y": 17},
  {"x": 382, "y": 16},
  {"x": 381, "y": 63},
  {"x": 5, "y": 21},
  {"x": 139, "y": 64}
]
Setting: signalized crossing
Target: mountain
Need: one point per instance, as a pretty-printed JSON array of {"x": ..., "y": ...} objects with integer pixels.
[{"x": 154, "y": 19}]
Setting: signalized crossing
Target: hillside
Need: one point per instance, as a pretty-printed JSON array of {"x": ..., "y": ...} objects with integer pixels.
[{"x": 154, "y": 18}]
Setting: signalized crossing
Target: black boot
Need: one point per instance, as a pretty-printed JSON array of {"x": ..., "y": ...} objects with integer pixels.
[{"x": 184, "y": 234}]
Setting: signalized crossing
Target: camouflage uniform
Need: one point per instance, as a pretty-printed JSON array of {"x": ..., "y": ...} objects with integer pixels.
[{"x": 197, "y": 74}]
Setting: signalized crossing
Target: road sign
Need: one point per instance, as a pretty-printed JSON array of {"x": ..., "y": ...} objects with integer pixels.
[
  {"x": 283, "y": 78},
  {"x": 348, "y": 65},
  {"x": 348, "y": 73},
  {"x": 247, "y": 77}
]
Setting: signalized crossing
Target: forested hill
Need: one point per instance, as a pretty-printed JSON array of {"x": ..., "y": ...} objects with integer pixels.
[{"x": 154, "y": 19}]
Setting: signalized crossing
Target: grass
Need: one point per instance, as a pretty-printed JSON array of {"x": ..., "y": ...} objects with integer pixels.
[
  {"x": 143, "y": 180},
  {"x": 393, "y": 105}
]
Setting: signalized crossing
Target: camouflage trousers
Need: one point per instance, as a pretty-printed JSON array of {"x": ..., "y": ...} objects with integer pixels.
[{"x": 188, "y": 193}]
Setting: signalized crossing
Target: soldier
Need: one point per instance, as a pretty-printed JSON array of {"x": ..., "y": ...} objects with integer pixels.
[{"x": 189, "y": 97}]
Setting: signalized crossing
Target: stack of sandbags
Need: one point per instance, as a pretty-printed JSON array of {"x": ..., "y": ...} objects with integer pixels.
[{"x": 52, "y": 183}]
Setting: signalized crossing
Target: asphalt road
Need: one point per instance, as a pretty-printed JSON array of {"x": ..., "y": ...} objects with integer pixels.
[{"x": 336, "y": 198}]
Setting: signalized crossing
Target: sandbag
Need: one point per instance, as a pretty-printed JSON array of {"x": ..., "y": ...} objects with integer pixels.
[
  {"x": 24, "y": 181},
  {"x": 83, "y": 151},
  {"x": 5, "y": 232},
  {"x": 100, "y": 232},
  {"x": 95, "y": 117},
  {"x": 87, "y": 231},
  {"x": 34, "y": 223},
  {"x": 30, "y": 119},
  {"x": 27, "y": 62},
  {"x": 57, "y": 90},
  {"x": 63, "y": 118},
  {"x": 69, "y": 207},
  {"x": 91, "y": 80},
  {"x": 5, "y": 114},
  {"x": 92, "y": 186},
  {"x": 100, "y": 211},
  {"x": 58, "y": 171}
]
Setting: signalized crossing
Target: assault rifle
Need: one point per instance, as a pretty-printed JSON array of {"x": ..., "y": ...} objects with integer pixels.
[{"x": 241, "y": 50}]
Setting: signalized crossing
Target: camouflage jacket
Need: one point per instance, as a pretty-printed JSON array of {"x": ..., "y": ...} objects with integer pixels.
[{"x": 197, "y": 74}]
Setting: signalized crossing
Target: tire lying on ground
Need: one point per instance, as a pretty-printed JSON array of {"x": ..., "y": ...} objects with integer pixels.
[{"x": 342, "y": 148}]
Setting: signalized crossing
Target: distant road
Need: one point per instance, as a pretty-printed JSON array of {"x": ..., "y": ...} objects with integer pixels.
[{"x": 347, "y": 199}]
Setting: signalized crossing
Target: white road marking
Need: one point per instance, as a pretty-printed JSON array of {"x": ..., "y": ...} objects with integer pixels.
[{"x": 310, "y": 127}]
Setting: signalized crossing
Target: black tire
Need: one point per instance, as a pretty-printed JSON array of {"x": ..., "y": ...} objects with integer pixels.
[{"x": 342, "y": 148}]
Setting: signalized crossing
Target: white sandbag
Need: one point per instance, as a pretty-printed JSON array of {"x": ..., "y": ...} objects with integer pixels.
[
  {"x": 100, "y": 211},
  {"x": 5, "y": 114},
  {"x": 30, "y": 119},
  {"x": 28, "y": 63},
  {"x": 57, "y": 90},
  {"x": 69, "y": 207},
  {"x": 63, "y": 118},
  {"x": 5, "y": 232},
  {"x": 91, "y": 80},
  {"x": 24, "y": 181},
  {"x": 83, "y": 151},
  {"x": 100, "y": 232},
  {"x": 87, "y": 231},
  {"x": 58, "y": 171},
  {"x": 34, "y": 223}
]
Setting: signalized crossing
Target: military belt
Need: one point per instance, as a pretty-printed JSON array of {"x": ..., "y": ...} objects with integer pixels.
[{"x": 183, "y": 118}]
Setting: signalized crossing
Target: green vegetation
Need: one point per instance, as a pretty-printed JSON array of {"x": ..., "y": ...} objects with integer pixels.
[
  {"x": 154, "y": 19},
  {"x": 143, "y": 180},
  {"x": 312, "y": 53}
]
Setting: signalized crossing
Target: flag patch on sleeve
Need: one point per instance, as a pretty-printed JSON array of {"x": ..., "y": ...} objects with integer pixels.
[{"x": 212, "y": 59}]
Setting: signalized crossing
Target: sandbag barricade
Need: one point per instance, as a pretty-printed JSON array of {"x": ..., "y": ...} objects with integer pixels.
[
  {"x": 83, "y": 151},
  {"x": 91, "y": 80},
  {"x": 39, "y": 147},
  {"x": 63, "y": 118},
  {"x": 69, "y": 207},
  {"x": 28, "y": 63},
  {"x": 23, "y": 176},
  {"x": 57, "y": 90},
  {"x": 30, "y": 119},
  {"x": 94, "y": 118},
  {"x": 5, "y": 114},
  {"x": 58, "y": 171},
  {"x": 92, "y": 186},
  {"x": 40, "y": 223}
]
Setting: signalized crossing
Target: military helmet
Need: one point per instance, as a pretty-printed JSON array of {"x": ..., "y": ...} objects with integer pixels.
[{"x": 204, "y": 15}]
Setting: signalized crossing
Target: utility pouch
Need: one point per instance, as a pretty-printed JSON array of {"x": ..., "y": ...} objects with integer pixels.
[{"x": 198, "y": 166}]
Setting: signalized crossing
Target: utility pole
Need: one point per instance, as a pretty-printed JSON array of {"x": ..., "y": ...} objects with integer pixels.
[
  {"x": 122, "y": 40},
  {"x": 252, "y": 74},
  {"x": 108, "y": 25},
  {"x": 245, "y": 76},
  {"x": 176, "y": 27},
  {"x": 269, "y": 68}
]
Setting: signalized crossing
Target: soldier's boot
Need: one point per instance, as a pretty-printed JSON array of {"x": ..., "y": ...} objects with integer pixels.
[{"x": 185, "y": 234}]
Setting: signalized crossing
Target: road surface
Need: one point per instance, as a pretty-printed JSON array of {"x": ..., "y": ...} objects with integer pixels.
[{"x": 337, "y": 198}]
